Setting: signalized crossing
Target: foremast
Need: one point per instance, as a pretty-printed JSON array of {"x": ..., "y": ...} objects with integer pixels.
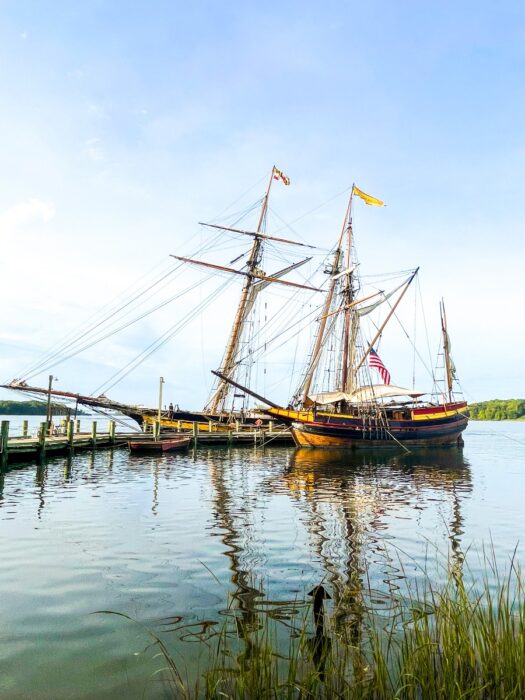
[{"x": 217, "y": 401}]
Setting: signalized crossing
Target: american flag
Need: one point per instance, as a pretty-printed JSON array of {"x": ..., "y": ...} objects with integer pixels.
[{"x": 375, "y": 361}]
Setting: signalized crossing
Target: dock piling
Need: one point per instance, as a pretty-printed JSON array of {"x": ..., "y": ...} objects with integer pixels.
[
  {"x": 70, "y": 434},
  {"x": 42, "y": 432},
  {"x": 112, "y": 426},
  {"x": 94, "y": 434},
  {"x": 77, "y": 425},
  {"x": 25, "y": 428},
  {"x": 4, "y": 450}
]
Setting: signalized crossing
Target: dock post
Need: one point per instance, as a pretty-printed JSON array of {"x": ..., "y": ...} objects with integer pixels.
[
  {"x": 70, "y": 434},
  {"x": 112, "y": 425},
  {"x": 270, "y": 426},
  {"x": 229, "y": 437},
  {"x": 156, "y": 430},
  {"x": 42, "y": 432},
  {"x": 4, "y": 436},
  {"x": 195, "y": 434},
  {"x": 25, "y": 428},
  {"x": 77, "y": 425},
  {"x": 210, "y": 426},
  {"x": 178, "y": 426},
  {"x": 94, "y": 434},
  {"x": 237, "y": 426}
]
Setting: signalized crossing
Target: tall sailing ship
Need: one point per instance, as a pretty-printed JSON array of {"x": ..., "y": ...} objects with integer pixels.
[
  {"x": 221, "y": 409},
  {"x": 348, "y": 409}
]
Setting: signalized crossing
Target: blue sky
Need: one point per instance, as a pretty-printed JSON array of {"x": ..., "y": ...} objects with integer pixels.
[{"x": 124, "y": 124}]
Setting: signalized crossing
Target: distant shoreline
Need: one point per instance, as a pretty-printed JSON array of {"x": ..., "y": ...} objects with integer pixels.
[
  {"x": 498, "y": 409},
  {"x": 35, "y": 408}
]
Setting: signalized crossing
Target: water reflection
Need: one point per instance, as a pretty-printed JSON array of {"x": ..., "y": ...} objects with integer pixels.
[
  {"x": 232, "y": 521},
  {"x": 40, "y": 479},
  {"x": 177, "y": 541},
  {"x": 348, "y": 501},
  {"x": 348, "y": 504}
]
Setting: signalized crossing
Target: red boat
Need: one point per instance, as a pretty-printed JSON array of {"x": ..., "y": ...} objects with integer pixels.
[{"x": 170, "y": 445}]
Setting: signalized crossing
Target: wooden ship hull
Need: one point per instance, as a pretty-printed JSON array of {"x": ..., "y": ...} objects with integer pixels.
[
  {"x": 148, "y": 417},
  {"x": 423, "y": 427}
]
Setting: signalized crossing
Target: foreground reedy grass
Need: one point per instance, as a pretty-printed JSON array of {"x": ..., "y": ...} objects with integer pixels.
[{"x": 437, "y": 642}]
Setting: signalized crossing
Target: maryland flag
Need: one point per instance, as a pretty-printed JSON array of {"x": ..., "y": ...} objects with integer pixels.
[
  {"x": 278, "y": 175},
  {"x": 367, "y": 198}
]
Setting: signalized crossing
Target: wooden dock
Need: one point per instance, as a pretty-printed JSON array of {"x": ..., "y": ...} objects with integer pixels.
[{"x": 26, "y": 448}]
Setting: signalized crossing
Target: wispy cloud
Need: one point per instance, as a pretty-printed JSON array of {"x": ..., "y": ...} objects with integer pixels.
[
  {"x": 25, "y": 213},
  {"x": 77, "y": 74},
  {"x": 93, "y": 149},
  {"x": 97, "y": 110}
]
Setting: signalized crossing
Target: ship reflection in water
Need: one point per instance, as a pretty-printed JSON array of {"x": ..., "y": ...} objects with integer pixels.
[
  {"x": 353, "y": 505},
  {"x": 359, "y": 515}
]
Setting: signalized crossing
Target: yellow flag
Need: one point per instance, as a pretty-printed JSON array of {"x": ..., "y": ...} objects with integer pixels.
[{"x": 367, "y": 198}]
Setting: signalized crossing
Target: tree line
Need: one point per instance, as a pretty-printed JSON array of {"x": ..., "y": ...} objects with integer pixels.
[
  {"x": 34, "y": 408},
  {"x": 498, "y": 409}
]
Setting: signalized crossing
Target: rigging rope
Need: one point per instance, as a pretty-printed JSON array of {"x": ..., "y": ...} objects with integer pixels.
[
  {"x": 100, "y": 338},
  {"x": 47, "y": 361},
  {"x": 157, "y": 344}
]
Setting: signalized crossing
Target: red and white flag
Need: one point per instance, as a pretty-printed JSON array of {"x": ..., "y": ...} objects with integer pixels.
[
  {"x": 278, "y": 175},
  {"x": 375, "y": 361}
]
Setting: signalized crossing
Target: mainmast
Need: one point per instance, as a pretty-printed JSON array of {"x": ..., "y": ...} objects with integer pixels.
[
  {"x": 347, "y": 297},
  {"x": 347, "y": 305},
  {"x": 316, "y": 353},
  {"x": 218, "y": 398}
]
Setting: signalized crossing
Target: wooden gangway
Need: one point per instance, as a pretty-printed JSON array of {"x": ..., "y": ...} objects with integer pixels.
[{"x": 26, "y": 448}]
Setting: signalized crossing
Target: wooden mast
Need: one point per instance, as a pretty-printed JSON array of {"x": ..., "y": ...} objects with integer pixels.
[
  {"x": 216, "y": 402},
  {"x": 326, "y": 308},
  {"x": 446, "y": 349},
  {"x": 345, "y": 373}
]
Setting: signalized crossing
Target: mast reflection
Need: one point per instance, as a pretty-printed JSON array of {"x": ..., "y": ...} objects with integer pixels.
[{"x": 347, "y": 501}]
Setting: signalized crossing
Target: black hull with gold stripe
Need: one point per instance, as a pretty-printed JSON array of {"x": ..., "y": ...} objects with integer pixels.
[{"x": 428, "y": 426}]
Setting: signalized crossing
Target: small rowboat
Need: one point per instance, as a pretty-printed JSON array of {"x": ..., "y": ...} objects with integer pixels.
[{"x": 180, "y": 443}]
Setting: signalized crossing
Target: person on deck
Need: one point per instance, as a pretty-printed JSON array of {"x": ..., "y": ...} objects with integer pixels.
[{"x": 170, "y": 410}]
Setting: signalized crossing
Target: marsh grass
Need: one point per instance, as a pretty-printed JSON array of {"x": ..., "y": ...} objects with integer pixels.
[{"x": 438, "y": 641}]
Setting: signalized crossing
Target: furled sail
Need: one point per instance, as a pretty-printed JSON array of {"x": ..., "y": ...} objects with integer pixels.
[
  {"x": 364, "y": 394},
  {"x": 364, "y": 310}
]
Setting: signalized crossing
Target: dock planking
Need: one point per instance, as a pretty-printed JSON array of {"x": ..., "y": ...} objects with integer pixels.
[{"x": 27, "y": 448}]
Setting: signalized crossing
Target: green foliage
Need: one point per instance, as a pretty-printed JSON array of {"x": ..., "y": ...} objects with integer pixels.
[
  {"x": 33, "y": 408},
  {"x": 497, "y": 409}
]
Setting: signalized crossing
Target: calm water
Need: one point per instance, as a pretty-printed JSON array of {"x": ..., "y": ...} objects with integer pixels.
[{"x": 173, "y": 541}]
